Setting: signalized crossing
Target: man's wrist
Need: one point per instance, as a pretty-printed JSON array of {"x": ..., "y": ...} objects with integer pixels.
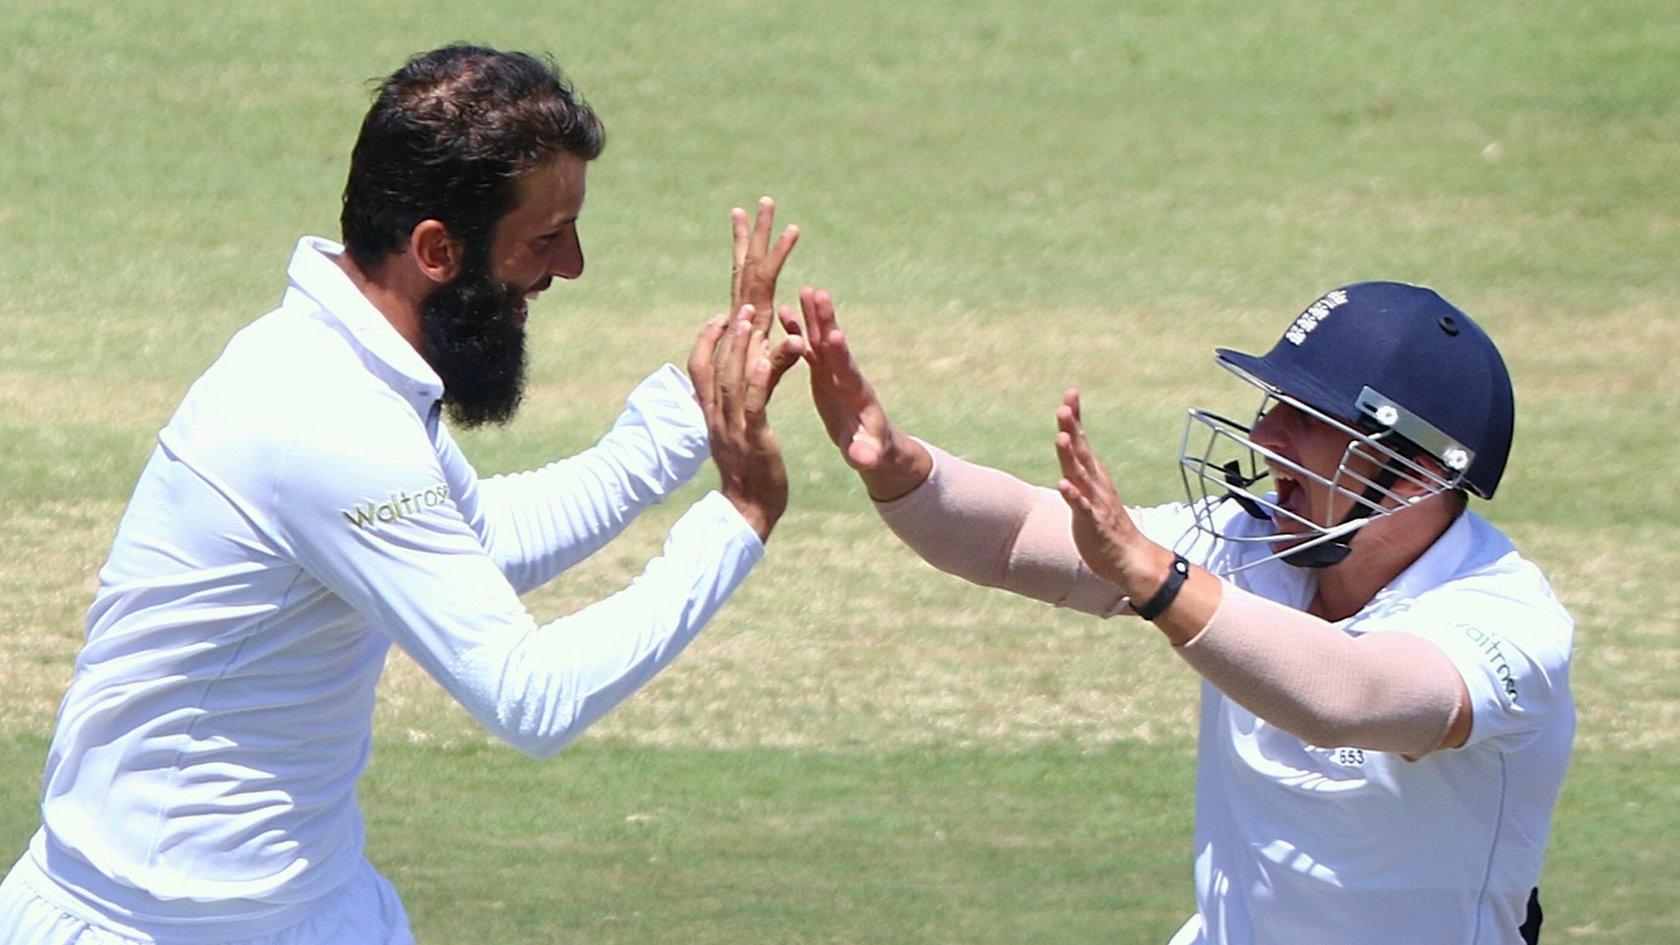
[
  {"x": 1164, "y": 596},
  {"x": 759, "y": 518},
  {"x": 1145, "y": 571},
  {"x": 905, "y": 465}
]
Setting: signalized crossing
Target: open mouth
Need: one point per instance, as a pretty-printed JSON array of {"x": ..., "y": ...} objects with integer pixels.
[{"x": 1291, "y": 497}]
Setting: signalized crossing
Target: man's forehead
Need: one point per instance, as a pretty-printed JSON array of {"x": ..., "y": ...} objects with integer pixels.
[{"x": 553, "y": 191}]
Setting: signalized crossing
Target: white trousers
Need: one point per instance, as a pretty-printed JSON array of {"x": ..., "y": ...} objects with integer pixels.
[{"x": 365, "y": 912}]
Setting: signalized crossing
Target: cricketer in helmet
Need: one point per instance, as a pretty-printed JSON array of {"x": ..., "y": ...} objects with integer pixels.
[{"x": 1385, "y": 707}]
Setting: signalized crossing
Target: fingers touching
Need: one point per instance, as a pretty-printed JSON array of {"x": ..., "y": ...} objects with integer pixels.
[
  {"x": 822, "y": 333},
  {"x": 735, "y": 369},
  {"x": 767, "y": 372}
]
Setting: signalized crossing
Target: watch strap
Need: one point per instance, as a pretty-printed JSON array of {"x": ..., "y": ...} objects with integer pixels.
[{"x": 1158, "y": 604}]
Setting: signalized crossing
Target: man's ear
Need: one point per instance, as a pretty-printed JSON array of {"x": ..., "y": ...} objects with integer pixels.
[{"x": 436, "y": 253}]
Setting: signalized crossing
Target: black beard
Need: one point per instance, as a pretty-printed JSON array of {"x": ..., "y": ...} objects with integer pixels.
[{"x": 473, "y": 339}]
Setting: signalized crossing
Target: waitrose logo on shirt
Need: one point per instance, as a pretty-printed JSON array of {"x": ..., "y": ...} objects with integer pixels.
[{"x": 400, "y": 505}]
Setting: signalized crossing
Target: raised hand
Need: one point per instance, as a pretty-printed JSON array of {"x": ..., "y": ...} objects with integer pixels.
[
  {"x": 757, "y": 263},
  {"x": 734, "y": 372},
  {"x": 890, "y": 463},
  {"x": 1108, "y": 540}
]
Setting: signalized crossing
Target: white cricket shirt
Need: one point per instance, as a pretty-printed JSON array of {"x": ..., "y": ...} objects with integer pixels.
[
  {"x": 304, "y": 509},
  {"x": 1301, "y": 844}
]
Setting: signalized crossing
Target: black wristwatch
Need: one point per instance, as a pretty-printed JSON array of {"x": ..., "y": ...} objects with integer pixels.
[{"x": 1164, "y": 597}]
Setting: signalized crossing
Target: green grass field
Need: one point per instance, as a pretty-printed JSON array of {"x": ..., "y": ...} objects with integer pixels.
[{"x": 1006, "y": 198}]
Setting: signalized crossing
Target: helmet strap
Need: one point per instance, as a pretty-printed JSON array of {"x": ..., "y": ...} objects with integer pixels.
[{"x": 1326, "y": 553}]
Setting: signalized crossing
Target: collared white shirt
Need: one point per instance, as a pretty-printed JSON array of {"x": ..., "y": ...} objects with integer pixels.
[
  {"x": 304, "y": 509},
  {"x": 1305, "y": 844}
]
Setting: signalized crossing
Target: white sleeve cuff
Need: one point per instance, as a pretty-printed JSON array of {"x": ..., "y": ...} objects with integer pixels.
[
  {"x": 724, "y": 519},
  {"x": 664, "y": 404}
]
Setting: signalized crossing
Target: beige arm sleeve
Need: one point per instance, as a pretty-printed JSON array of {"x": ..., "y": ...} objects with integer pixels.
[
  {"x": 1385, "y": 691},
  {"x": 986, "y": 526}
]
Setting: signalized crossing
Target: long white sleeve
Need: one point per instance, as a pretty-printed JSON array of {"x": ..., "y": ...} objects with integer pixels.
[
  {"x": 561, "y": 678},
  {"x": 417, "y": 570},
  {"x": 537, "y": 524}
]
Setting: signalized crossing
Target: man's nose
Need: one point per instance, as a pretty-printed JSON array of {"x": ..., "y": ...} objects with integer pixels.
[
  {"x": 568, "y": 264},
  {"x": 1270, "y": 431}
]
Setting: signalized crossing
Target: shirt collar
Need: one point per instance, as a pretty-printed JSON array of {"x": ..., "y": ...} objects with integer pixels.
[
  {"x": 314, "y": 273},
  {"x": 1459, "y": 548}
]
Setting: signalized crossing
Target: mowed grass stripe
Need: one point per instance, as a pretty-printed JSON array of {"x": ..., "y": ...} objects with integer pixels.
[{"x": 619, "y": 843}]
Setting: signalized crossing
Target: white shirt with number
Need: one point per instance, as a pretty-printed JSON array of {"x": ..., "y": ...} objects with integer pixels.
[
  {"x": 304, "y": 509},
  {"x": 1300, "y": 844}
]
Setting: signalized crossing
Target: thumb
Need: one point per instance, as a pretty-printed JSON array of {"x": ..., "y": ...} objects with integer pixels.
[{"x": 767, "y": 373}]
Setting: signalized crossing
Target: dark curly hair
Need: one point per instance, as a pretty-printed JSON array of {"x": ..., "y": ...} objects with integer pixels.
[{"x": 447, "y": 137}]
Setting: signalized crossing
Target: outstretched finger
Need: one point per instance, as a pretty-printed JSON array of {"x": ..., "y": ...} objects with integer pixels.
[
  {"x": 823, "y": 306},
  {"x": 841, "y": 363},
  {"x": 1067, "y": 418},
  {"x": 760, "y": 243},
  {"x": 767, "y": 373},
  {"x": 702, "y": 360},
  {"x": 738, "y": 224},
  {"x": 1070, "y": 397},
  {"x": 808, "y": 309},
  {"x": 790, "y": 322},
  {"x": 823, "y": 347},
  {"x": 1067, "y": 415},
  {"x": 779, "y": 253},
  {"x": 822, "y": 329}
]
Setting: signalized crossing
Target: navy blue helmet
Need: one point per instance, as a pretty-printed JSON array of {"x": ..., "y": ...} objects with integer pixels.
[
  {"x": 1372, "y": 345},
  {"x": 1403, "y": 372}
]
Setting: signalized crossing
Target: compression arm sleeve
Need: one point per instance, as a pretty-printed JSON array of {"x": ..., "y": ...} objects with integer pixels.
[
  {"x": 986, "y": 526},
  {"x": 1382, "y": 691}
]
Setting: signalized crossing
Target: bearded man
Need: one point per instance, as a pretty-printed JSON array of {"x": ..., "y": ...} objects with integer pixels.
[{"x": 306, "y": 507}]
